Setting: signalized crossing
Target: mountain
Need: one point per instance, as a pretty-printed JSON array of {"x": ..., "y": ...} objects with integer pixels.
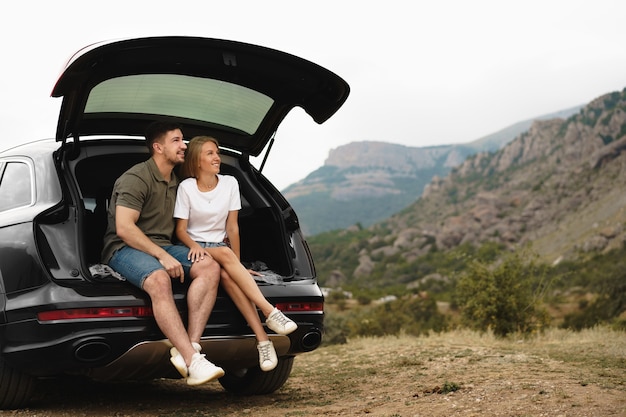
[
  {"x": 365, "y": 182},
  {"x": 558, "y": 187}
]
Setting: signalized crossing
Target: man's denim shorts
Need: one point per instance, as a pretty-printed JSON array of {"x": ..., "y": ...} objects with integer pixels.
[{"x": 136, "y": 266}]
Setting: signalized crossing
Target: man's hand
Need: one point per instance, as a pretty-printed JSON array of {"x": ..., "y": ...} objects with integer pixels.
[{"x": 172, "y": 266}]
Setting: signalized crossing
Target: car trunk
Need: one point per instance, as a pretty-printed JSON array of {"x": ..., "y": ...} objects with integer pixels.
[{"x": 263, "y": 229}]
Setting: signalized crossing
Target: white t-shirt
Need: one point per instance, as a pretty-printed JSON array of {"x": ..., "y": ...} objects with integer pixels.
[{"x": 206, "y": 212}]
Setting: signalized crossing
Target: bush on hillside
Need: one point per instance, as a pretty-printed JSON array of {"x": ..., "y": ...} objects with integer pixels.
[
  {"x": 505, "y": 297},
  {"x": 412, "y": 314},
  {"x": 603, "y": 275}
]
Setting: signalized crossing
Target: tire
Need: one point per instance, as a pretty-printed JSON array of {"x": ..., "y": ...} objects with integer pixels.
[
  {"x": 253, "y": 381},
  {"x": 16, "y": 388}
]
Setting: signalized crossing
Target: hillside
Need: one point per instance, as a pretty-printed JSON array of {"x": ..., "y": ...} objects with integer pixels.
[
  {"x": 366, "y": 182},
  {"x": 558, "y": 186}
]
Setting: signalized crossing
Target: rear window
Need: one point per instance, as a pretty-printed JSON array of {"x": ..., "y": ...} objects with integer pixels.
[
  {"x": 15, "y": 186},
  {"x": 194, "y": 98}
]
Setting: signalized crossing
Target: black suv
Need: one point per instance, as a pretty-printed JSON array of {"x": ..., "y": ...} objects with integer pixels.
[{"x": 61, "y": 311}]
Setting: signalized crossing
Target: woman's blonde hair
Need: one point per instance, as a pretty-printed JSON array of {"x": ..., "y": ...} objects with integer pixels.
[{"x": 193, "y": 154}]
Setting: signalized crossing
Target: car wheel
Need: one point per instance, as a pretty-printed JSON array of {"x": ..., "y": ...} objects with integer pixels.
[
  {"x": 253, "y": 381},
  {"x": 16, "y": 387}
]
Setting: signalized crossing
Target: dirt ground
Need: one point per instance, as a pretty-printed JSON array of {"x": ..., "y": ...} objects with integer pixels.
[{"x": 560, "y": 374}]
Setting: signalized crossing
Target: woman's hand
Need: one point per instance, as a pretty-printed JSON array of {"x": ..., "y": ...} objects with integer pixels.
[
  {"x": 197, "y": 253},
  {"x": 252, "y": 272}
]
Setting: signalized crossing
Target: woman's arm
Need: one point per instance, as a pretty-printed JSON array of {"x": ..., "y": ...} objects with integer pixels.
[
  {"x": 196, "y": 252},
  {"x": 232, "y": 232}
]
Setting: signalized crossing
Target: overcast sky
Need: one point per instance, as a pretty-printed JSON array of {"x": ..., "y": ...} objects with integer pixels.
[{"x": 421, "y": 73}]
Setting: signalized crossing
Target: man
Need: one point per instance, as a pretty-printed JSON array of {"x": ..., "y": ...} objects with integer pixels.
[{"x": 137, "y": 244}]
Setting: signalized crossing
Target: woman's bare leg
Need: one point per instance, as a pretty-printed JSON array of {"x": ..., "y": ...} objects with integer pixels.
[
  {"x": 240, "y": 275},
  {"x": 245, "y": 306},
  {"x": 267, "y": 355}
]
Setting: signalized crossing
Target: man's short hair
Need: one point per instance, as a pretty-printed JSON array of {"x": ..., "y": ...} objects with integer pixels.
[{"x": 156, "y": 130}]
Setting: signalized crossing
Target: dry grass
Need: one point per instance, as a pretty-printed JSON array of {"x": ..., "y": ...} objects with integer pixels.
[
  {"x": 464, "y": 373},
  {"x": 467, "y": 373}
]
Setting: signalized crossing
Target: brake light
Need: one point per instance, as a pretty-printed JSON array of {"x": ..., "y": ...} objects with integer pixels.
[
  {"x": 304, "y": 306},
  {"x": 95, "y": 313}
]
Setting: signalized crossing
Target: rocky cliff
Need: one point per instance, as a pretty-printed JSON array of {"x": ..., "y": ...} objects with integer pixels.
[
  {"x": 366, "y": 182},
  {"x": 560, "y": 186}
]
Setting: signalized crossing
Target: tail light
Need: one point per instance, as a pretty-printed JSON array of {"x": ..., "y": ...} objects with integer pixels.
[
  {"x": 300, "y": 306},
  {"x": 95, "y": 313}
]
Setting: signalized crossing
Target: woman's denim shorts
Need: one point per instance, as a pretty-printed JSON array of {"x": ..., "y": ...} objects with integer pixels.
[
  {"x": 212, "y": 244},
  {"x": 136, "y": 266}
]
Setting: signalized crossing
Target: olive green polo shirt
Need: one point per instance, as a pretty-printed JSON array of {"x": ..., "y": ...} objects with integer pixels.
[{"x": 144, "y": 189}]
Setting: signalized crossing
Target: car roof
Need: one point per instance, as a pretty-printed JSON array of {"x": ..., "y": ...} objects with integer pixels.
[{"x": 237, "y": 92}]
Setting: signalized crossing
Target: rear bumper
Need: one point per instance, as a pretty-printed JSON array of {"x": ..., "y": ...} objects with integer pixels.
[
  {"x": 131, "y": 349},
  {"x": 149, "y": 360},
  {"x": 134, "y": 347},
  {"x": 124, "y": 354}
]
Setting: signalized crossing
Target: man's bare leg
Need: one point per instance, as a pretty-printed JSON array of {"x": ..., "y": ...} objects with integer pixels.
[
  {"x": 201, "y": 296},
  {"x": 159, "y": 286}
]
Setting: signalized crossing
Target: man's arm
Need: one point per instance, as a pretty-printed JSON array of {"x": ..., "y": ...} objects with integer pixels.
[{"x": 126, "y": 228}]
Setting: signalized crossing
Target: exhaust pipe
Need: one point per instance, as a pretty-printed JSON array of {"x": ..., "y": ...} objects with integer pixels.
[
  {"x": 311, "y": 340},
  {"x": 91, "y": 350}
]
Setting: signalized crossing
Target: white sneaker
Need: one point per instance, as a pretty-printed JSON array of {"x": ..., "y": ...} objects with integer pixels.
[
  {"x": 202, "y": 371},
  {"x": 280, "y": 323},
  {"x": 179, "y": 362},
  {"x": 267, "y": 356}
]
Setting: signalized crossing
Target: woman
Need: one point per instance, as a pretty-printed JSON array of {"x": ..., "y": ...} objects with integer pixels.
[{"x": 207, "y": 207}]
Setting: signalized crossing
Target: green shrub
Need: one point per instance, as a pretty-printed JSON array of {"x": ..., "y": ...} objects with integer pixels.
[
  {"x": 504, "y": 297},
  {"x": 411, "y": 314},
  {"x": 335, "y": 330},
  {"x": 604, "y": 276}
]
